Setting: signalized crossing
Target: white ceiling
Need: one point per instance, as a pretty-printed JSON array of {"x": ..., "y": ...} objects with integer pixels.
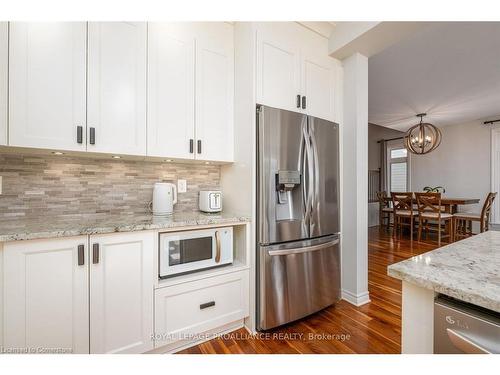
[{"x": 450, "y": 70}]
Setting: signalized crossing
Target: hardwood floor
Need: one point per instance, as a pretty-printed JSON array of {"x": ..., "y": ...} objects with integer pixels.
[{"x": 372, "y": 328}]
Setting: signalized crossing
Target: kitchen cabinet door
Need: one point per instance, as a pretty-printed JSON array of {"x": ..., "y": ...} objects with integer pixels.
[
  {"x": 214, "y": 92},
  {"x": 171, "y": 90},
  {"x": 46, "y": 295},
  {"x": 116, "y": 99},
  {"x": 318, "y": 86},
  {"x": 278, "y": 65},
  {"x": 4, "y": 61},
  {"x": 47, "y": 79},
  {"x": 121, "y": 292}
]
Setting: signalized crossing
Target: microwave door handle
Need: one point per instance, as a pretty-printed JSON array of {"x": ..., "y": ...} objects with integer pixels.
[
  {"x": 465, "y": 344},
  {"x": 217, "y": 247}
]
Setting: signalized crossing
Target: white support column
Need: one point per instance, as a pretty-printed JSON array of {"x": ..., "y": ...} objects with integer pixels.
[{"x": 354, "y": 217}]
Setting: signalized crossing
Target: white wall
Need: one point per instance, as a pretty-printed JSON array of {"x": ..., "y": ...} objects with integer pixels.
[
  {"x": 375, "y": 134},
  {"x": 461, "y": 164}
]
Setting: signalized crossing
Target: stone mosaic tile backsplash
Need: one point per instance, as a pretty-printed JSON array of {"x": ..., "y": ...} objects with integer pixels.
[{"x": 35, "y": 186}]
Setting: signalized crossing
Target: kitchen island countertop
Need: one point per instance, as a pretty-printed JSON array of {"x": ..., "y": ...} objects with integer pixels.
[
  {"x": 468, "y": 270},
  {"x": 66, "y": 226}
]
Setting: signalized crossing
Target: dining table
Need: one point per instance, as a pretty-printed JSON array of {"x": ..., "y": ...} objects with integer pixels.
[{"x": 450, "y": 204}]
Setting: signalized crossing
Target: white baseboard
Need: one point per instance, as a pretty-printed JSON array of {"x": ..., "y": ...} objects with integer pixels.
[{"x": 356, "y": 299}]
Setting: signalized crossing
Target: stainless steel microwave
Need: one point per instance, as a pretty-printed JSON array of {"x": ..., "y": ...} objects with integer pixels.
[{"x": 191, "y": 251}]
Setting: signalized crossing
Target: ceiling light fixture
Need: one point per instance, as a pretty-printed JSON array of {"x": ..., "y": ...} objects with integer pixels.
[
  {"x": 422, "y": 138},
  {"x": 57, "y": 153},
  {"x": 116, "y": 157}
]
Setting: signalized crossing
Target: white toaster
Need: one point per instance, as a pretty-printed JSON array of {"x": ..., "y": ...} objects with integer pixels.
[{"x": 210, "y": 201}]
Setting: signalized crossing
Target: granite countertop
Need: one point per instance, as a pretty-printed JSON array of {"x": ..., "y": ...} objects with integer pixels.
[
  {"x": 468, "y": 270},
  {"x": 46, "y": 227}
]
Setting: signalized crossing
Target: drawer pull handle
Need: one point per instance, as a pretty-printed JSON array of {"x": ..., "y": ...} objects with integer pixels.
[
  {"x": 207, "y": 304},
  {"x": 92, "y": 136},
  {"x": 81, "y": 255},
  {"x": 95, "y": 253},
  {"x": 79, "y": 134}
]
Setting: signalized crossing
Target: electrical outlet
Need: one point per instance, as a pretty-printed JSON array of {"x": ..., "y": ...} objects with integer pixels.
[{"x": 181, "y": 186}]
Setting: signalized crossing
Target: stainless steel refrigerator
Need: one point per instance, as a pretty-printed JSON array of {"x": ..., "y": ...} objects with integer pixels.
[{"x": 298, "y": 257}]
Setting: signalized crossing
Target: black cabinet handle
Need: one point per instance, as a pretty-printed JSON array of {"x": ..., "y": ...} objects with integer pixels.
[
  {"x": 191, "y": 146},
  {"x": 81, "y": 255},
  {"x": 79, "y": 134},
  {"x": 92, "y": 136},
  {"x": 303, "y": 102},
  {"x": 199, "y": 146},
  {"x": 95, "y": 253},
  {"x": 207, "y": 304},
  {"x": 298, "y": 101}
]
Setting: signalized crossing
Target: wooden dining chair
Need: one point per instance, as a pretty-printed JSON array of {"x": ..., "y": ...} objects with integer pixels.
[
  {"x": 430, "y": 210},
  {"x": 404, "y": 213},
  {"x": 385, "y": 211},
  {"x": 463, "y": 220}
]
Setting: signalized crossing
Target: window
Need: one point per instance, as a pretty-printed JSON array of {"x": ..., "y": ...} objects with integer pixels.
[
  {"x": 399, "y": 153},
  {"x": 397, "y": 167},
  {"x": 398, "y": 177}
]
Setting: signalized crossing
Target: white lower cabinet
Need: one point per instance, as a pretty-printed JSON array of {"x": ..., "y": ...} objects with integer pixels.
[
  {"x": 46, "y": 299},
  {"x": 95, "y": 294},
  {"x": 121, "y": 292},
  {"x": 185, "y": 310},
  {"x": 48, "y": 305}
]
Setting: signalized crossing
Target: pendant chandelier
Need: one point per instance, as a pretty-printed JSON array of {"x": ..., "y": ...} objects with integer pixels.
[{"x": 422, "y": 138}]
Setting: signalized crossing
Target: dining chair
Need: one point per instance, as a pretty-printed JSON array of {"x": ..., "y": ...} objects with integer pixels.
[
  {"x": 404, "y": 213},
  {"x": 463, "y": 220},
  {"x": 385, "y": 211},
  {"x": 430, "y": 210}
]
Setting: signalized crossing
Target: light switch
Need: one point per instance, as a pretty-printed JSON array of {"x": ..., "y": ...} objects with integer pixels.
[{"x": 181, "y": 186}]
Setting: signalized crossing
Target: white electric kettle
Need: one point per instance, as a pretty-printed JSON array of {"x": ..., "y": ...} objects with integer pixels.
[{"x": 164, "y": 198}]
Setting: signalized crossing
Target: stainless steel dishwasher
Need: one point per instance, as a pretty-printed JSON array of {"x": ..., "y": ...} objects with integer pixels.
[{"x": 463, "y": 328}]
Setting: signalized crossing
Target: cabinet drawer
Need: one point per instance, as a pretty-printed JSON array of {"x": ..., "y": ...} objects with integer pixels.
[{"x": 182, "y": 311}]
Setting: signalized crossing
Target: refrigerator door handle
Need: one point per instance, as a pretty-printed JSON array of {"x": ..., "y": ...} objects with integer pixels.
[
  {"x": 301, "y": 166},
  {"x": 309, "y": 167},
  {"x": 315, "y": 173},
  {"x": 299, "y": 250}
]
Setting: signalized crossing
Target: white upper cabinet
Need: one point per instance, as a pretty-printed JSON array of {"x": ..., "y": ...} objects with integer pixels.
[
  {"x": 131, "y": 88},
  {"x": 214, "y": 92},
  {"x": 318, "y": 82},
  {"x": 294, "y": 71},
  {"x": 47, "y": 85},
  {"x": 121, "y": 292},
  {"x": 171, "y": 85},
  {"x": 278, "y": 65},
  {"x": 46, "y": 299},
  {"x": 4, "y": 78},
  {"x": 190, "y": 90},
  {"x": 116, "y": 96}
]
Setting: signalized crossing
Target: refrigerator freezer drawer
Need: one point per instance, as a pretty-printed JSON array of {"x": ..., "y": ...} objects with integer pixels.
[
  {"x": 297, "y": 279},
  {"x": 461, "y": 328}
]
